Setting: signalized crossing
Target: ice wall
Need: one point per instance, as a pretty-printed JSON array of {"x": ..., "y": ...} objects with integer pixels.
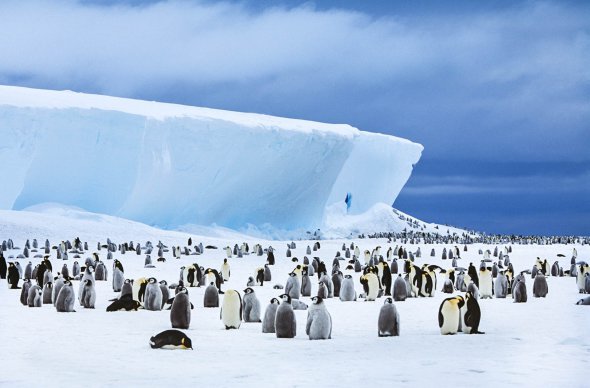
[{"x": 169, "y": 165}]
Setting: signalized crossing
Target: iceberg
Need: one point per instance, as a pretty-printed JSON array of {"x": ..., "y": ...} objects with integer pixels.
[{"x": 170, "y": 165}]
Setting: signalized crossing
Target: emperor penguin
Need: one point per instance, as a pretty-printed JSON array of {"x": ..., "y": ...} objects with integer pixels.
[
  {"x": 251, "y": 306},
  {"x": 214, "y": 276},
  {"x": 47, "y": 292},
  {"x": 211, "y": 297},
  {"x": 337, "y": 283},
  {"x": 305, "y": 282},
  {"x": 267, "y": 273},
  {"x": 322, "y": 290},
  {"x": 319, "y": 321},
  {"x": 268, "y": 323},
  {"x": 293, "y": 287},
  {"x": 231, "y": 310},
  {"x": 13, "y": 276},
  {"x": 449, "y": 315},
  {"x": 370, "y": 283},
  {"x": 472, "y": 272},
  {"x": 260, "y": 276},
  {"x": 24, "y": 293},
  {"x": 519, "y": 291},
  {"x": 347, "y": 291},
  {"x": 584, "y": 301},
  {"x": 386, "y": 277},
  {"x": 501, "y": 285},
  {"x": 118, "y": 279},
  {"x": 388, "y": 322},
  {"x": 75, "y": 269},
  {"x": 285, "y": 321},
  {"x": 57, "y": 285},
  {"x": 28, "y": 271},
  {"x": 165, "y": 293},
  {"x": 88, "y": 294},
  {"x": 127, "y": 289},
  {"x": 472, "y": 315},
  {"x": 485, "y": 283},
  {"x": 448, "y": 287},
  {"x": 180, "y": 312},
  {"x": 225, "y": 271},
  {"x": 540, "y": 287},
  {"x": 88, "y": 275},
  {"x": 329, "y": 284},
  {"x": 171, "y": 339},
  {"x": 65, "y": 299},
  {"x": 138, "y": 287},
  {"x": 35, "y": 296},
  {"x": 153, "y": 296},
  {"x": 400, "y": 289},
  {"x": 583, "y": 269},
  {"x": 100, "y": 272}
]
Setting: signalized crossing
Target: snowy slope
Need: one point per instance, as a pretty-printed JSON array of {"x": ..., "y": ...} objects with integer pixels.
[
  {"x": 541, "y": 342},
  {"x": 170, "y": 165}
]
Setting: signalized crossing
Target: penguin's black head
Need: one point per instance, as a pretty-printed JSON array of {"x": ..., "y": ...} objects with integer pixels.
[
  {"x": 292, "y": 274},
  {"x": 275, "y": 301},
  {"x": 248, "y": 290},
  {"x": 317, "y": 300},
  {"x": 163, "y": 282},
  {"x": 182, "y": 289},
  {"x": 388, "y": 301},
  {"x": 294, "y": 260},
  {"x": 152, "y": 280},
  {"x": 225, "y": 261}
]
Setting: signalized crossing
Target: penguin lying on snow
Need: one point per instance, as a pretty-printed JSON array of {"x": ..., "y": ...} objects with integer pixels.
[{"x": 171, "y": 339}]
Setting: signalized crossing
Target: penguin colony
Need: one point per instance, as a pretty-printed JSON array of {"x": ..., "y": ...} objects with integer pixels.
[{"x": 391, "y": 275}]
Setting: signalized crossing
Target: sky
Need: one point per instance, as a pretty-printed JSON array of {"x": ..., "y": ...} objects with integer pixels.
[{"x": 498, "y": 92}]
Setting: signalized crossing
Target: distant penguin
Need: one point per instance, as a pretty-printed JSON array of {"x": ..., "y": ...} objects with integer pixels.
[
  {"x": 65, "y": 299},
  {"x": 88, "y": 294},
  {"x": 213, "y": 275},
  {"x": 337, "y": 283},
  {"x": 171, "y": 339},
  {"x": 225, "y": 270},
  {"x": 251, "y": 282},
  {"x": 540, "y": 287},
  {"x": 347, "y": 291},
  {"x": 305, "y": 282},
  {"x": 28, "y": 271},
  {"x": 584, "y": 301},
  {"x": 293, "y": 287},
  {"x": 501, "y": 285},
  {"x": 211, "y": 296},
  {"x": 519, "y": 291},
  {"x": 449, "y": 315},
  {"x": 3, "y": 265},
  {"x": 400, "y": 289},
  {"x": 270, "y": 257},
  {"x": 251, "y": 306},
  {"x": 118, "y": 279},
  {"x": 285, "y": 321},
  {"x": 485, "y": 283},
  {"x": 386, "y": 279},
  {"x": 388, "y": 322},
  {"x": 88, "y": 275},
  {"x": 319, "y": 321},
  {"x": 231, "y": 310},
  {"x": 165, "y": 293},
  {"x": 260, "y": 276},
  {"x": 153, "y": 296},
  {"x": 267, "y": 273},
  {"x": 268, "y": 323},
  {"x": 180, "y": 312},
  {"x": 322, "y": 290},
  {"x": 472, "y": 315}
]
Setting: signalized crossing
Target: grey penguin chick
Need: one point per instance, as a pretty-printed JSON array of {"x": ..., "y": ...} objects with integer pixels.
[
  {"x": 268, "y": 323},
  {"x": 251, "y": 306},
  {"x": 319, "y": 321},
  {"x": 388, "y": 322}
]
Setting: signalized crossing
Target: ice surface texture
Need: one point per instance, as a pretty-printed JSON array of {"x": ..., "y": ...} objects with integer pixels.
[{"x": 171, "y": 165}]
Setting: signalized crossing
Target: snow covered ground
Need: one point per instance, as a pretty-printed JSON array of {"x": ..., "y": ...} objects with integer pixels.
[{"x": 543, "y": 342}]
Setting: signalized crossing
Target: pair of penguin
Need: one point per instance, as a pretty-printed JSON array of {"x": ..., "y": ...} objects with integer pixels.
[{"x": 458, "y": 313}]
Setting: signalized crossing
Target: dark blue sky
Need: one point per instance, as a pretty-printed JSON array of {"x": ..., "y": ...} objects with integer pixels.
[{"x": 498, "y": 92}]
